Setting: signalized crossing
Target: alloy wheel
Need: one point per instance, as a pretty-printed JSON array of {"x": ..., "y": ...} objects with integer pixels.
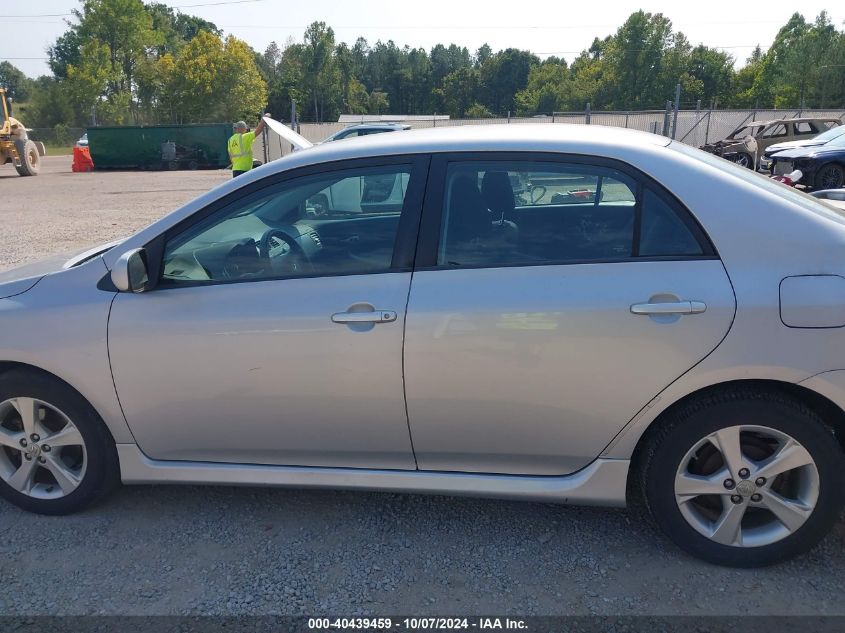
[
  {"x": 42, "y": 453},
  {"x": 831, "y": 177},
  {"x": 747, "y": 486}
]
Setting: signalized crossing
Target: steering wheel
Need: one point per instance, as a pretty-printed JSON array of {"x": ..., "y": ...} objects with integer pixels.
[{"x": 283, "y": 252}]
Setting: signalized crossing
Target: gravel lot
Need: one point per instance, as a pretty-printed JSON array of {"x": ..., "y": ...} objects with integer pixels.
[{"x": 189, "y": 550}]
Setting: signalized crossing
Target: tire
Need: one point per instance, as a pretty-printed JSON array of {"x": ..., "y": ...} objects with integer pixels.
[
  {"x": 92, "y": 465},
  {"x": 29, "y": 158},
  {"x": 701, "y": 523},
  {"x": 830, "y": 176},
  {"x": 743, "y": 159}
]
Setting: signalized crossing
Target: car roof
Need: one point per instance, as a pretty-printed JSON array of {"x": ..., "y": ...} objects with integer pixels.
[
  {"x": 358, "y": 126},
  {"x": 524, "y": 137},
  {"x": 795, "y": 120}
]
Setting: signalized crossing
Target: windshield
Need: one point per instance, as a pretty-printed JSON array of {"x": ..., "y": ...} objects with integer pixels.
[
  {"x": 832, "y": 133},
  {"x": 838, "y": 141},
  {"x": 764, "y": 182}
]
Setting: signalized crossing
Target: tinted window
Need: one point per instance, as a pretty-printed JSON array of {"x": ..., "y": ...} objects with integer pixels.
[
  {"x": 335, "y": 223},
  {"x": 506, "y": 213},
  {"x": 663, "y": 232}
]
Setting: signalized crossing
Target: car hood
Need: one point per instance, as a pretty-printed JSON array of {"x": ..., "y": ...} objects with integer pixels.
[
  {"x": 299, "y": 142},
  {"x": 789, "y": 145},
  {"x": 810, "y": 152},
  {"x": 18, "y": 280}
]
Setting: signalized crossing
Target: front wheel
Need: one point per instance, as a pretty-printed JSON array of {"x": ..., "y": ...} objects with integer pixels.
[
  {"x": 56, "y": 455},
  {"x": 30, "y": 160},
  {"x": 743, "y": 160},
  {"x": 830, "y": 176},
  {"x": 744, "y": 478}
]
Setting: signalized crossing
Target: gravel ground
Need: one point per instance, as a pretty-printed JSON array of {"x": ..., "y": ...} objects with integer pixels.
[{"x": 189, "y": 550}]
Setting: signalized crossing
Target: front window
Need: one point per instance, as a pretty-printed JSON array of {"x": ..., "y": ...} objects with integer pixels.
[
  {"x": 337, "y": 223},
  {"x": 774, "y": 131},
  {"x": 748, "y": 130}
]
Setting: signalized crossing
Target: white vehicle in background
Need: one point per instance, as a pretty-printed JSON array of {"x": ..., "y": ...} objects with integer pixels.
[
  {"x": 821, "y": 139},
  {"x": 83, "y": 140}
]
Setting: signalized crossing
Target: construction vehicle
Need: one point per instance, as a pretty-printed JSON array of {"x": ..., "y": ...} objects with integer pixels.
[{"x": 15, "y": 146}]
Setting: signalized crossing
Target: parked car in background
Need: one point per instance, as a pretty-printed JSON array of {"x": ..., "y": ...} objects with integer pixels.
[
  {"x": 83, "y": 140},
  {"x": 365, "y": 129},
  {"x": 821, "y": 139},
  {"x": 822, "y": 167},
  {"x": 746, "y": 145},
  {"x": 561, "y": 313}
]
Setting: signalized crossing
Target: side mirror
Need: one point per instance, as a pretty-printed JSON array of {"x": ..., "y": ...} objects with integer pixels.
[{"x": 129, "y": 273}]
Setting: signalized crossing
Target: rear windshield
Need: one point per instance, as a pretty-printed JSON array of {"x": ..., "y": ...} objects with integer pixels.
[{"x": 763, "y": 182}]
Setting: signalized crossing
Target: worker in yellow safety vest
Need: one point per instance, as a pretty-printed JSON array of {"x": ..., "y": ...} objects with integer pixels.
[{"x": 240, "y": 147}]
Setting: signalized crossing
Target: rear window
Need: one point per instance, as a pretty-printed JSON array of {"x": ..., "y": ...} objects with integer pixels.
[{"x": 763, "y": 182}]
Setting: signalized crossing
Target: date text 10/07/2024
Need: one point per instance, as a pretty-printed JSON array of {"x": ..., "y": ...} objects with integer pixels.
[{"x": 416, "y": 624}]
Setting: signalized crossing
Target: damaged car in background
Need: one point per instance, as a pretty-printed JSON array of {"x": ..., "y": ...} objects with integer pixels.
[{"x": 745, "y": 146}]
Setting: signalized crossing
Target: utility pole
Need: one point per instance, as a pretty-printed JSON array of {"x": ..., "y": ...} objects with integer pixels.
[{"x": 675, "y": 115}]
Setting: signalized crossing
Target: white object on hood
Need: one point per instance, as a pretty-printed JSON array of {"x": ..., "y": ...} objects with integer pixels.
[{"x": 297, "y": 140}]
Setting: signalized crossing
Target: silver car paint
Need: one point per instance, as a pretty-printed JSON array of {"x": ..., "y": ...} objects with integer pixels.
[
  {"x": 762, "y": 237},
  {"x": 532, "y": 370},
  {"x": 258, "y": 373},
  {"x": 601, "y": 483},
  {"x": 60, "y": 326}
]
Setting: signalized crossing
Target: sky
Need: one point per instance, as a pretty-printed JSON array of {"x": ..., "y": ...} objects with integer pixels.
[{"x": 561, "y": 28}]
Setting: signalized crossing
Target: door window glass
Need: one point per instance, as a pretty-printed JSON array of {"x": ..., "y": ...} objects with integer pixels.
[
  {"x": 512, "y": 213},
  {"x": 805, "y": 127},
  {"x": 334, "y": 223}
]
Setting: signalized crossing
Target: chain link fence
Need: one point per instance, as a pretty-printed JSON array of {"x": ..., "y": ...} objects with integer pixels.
[
  {"x": 55, "y": 137},
  {"x": 694, "y": 127}
]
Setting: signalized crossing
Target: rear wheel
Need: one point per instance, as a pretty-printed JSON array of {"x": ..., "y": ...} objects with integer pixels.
[
  {"x": 830, "y": 176},
  {"x": 30, "y": 160},
  {"x": 56, "y": 456},
  {"x": 744, "y": 478}
]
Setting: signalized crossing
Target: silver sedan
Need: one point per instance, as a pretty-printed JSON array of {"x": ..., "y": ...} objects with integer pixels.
[{"x": 563, "y": 313}]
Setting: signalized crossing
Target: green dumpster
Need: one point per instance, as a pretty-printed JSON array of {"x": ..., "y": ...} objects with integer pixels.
[{"x": 200, "y": 146}]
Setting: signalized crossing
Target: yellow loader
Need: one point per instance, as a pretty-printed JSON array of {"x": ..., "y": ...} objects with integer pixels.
[{"x": 15, "y": 146}]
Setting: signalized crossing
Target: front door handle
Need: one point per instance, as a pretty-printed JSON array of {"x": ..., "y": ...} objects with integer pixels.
[
  {"x": 669, "y": 307},
  {"x": 375, "y": 316}
]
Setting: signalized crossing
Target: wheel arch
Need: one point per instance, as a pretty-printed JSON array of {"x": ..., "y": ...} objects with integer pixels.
[
  {"x": 832, "y": 414},
  {"x": 7, "y": 366}
]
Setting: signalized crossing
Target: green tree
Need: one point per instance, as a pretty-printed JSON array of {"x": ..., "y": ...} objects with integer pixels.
[
  {"x": 215, "y": 80},
  {"x": 502, "y": 76},
  {"x": 459, "y": 91},
  {"x": 634, "y": 62},
  {"x": 18, "y": 86}
]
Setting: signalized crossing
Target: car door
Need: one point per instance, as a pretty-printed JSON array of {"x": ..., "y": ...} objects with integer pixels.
[
  {"x": 274, "y": 334},
  {"x": 552, "y": 300}
]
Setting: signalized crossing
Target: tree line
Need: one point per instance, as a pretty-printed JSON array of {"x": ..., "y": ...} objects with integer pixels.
[{"x": 125, "y": 62}]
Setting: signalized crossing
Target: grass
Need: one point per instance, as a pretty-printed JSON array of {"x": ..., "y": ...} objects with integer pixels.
[{"x": 58, "y": 150}]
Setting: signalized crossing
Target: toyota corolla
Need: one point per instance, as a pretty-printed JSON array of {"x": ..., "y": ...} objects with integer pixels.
[{"x": 572, "y": 314}]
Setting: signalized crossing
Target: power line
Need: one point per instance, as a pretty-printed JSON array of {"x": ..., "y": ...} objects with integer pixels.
[
  {"x": 214, "y": 4},
  {"x": 175, "y": 6}
]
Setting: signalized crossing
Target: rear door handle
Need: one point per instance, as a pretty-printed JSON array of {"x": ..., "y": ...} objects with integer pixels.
[
  {"x": 376, "y": 316},
  {"x": 669, "y": 307}
]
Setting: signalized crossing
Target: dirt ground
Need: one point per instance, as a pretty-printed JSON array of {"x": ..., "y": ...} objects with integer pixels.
[
  {"x": 190, "y": 550},
  {"x": 61, "y": 211}
]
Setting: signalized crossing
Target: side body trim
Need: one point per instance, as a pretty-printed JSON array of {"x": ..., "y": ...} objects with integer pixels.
[{"x": 602, "y": 483}]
